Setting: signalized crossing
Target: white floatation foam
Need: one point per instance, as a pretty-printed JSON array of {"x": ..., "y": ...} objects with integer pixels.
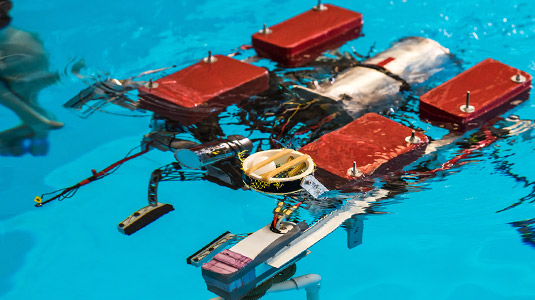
[{"x": 267, "y": 168}]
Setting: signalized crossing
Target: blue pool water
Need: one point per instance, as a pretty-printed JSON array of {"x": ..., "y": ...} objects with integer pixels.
[{"x": 449, "y": 238}]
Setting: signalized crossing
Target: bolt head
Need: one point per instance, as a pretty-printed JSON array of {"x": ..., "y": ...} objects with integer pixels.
[
  {"x": 351, "y": 172},
  {"x": 469, "y": 109},
  {"x": 413, "y": 139},
  {"x": 209, "y": 59},
  {"x": 518, "y": 78},
  {"x": 320, "y": 7},
  {"x": 266, "y": 31}
]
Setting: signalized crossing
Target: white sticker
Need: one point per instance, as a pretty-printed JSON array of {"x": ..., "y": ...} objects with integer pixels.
[{"x": 313, "y": 186}]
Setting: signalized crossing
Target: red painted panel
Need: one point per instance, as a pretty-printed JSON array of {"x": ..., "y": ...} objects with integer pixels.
[
  {"x": 302, "y": 38},
  {"x": 204, "y": 89},
  {"x": 491, "y": 91},
  {"x": 377, "y": 144}
]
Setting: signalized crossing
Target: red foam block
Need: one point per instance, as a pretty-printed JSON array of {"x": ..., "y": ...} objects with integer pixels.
[
  {"x": 493, "y": 90},
  {"x": 377, "y": 144},
  {"x": 203, "y": 89},
  {"x": 302, "y": 38}
]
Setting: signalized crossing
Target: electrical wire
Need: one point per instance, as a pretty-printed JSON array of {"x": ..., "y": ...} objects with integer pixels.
[{"x": 68, "y": 192}]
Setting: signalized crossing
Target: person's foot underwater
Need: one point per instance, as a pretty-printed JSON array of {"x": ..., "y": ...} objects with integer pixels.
[{"x": 23, "y": 74}]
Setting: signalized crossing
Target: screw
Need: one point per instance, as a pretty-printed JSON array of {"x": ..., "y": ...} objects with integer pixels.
[
  {"x": 353, "y": 171},
  {"x": 210, "y": 59},
  {"x": 320, "y": 6},
  {"x": 151, "y": 84},
  {"x": 413, "y": 139},
  {"x": 467, "y": 108},
  {"x": 265, "y": 30},
  {"x": 518, "y": 78}
]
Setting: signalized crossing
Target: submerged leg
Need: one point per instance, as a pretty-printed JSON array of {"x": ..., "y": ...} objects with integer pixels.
[
  {"x": 35, "y": 128},
  {"x": 12, "y": 140},
  {"x": 24, "y": 72},
  {"x": 26, "y": 112}
]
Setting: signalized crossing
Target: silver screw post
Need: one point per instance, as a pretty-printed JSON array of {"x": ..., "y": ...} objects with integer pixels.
[
  {"x": 354, "y": 171},
  {"x": 468, "y": 99},
  {"x": 209, "y": 59},
  {"x": 467, "y": 108},
  {"x": 151, "y": 84},
  {"x": 265, "y": 30},
  {"x": 413, "y": 139},
  {"x": 518, "y": 78},
  {"x": 320, "y": 6}
]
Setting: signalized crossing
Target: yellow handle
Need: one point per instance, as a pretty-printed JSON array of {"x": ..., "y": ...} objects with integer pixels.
[
  {"x": 285, "y": 167},
  {"x": 296, "y": 170},
  {"x": 267, "y": 161},
  {"x": 38, "y": 199}
]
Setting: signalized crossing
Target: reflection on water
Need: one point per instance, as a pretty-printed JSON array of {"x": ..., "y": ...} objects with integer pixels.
[
  {"x": 527, "y": 229},
  {"x": 504, "y": 157},
  {"x": 24, "y": 72}
]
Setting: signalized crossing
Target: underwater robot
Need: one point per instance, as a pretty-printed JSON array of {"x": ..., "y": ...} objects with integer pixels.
[{"x": 347, "y": 156}]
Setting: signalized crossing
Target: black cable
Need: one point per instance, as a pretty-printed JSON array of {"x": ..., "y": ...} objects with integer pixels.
[
  {"x": 64, "y": 193},
  {"x": 405, "y": 86}
]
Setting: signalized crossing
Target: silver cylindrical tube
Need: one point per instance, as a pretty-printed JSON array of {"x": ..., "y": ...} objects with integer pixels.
[
  {"x": 412, "y": 59},
  {"x": 209, "y": 153}
]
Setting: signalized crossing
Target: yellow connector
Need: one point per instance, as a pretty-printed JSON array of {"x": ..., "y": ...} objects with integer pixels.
[
  {"x": 288, "y": 211},
  {"x": 279, "y": 207},
  {"x": 38, "y": 199}
]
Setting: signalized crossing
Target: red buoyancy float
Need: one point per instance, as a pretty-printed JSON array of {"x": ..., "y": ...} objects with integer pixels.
[
  {"x": 377, "y": 144},
  {"x": 493, "y": 88},
  {"x": 203, "y": 89},
  {"x": 304, "y": 37}
]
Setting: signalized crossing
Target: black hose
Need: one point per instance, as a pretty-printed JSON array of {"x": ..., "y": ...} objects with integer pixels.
[
  {"x": 285, "y": 274},
  {"x": 259, "y": 291}
]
